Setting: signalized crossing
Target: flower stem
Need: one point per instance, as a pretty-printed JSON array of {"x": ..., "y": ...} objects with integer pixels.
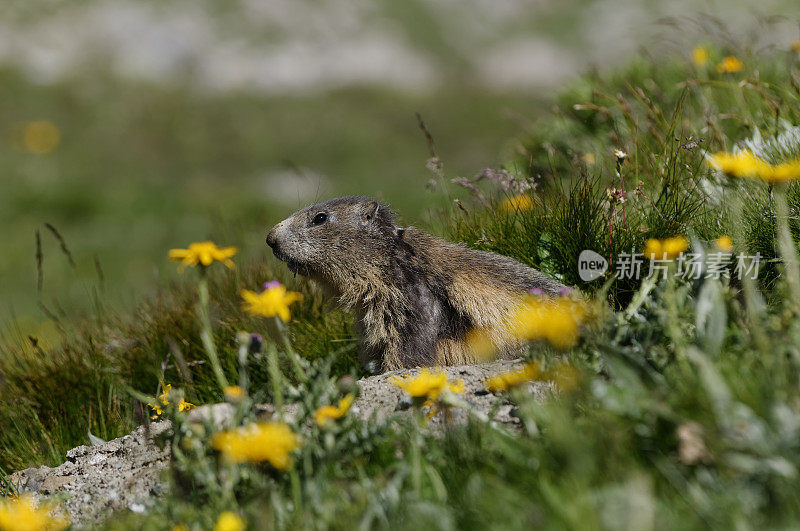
[
  {"x": 276, "y": 379},
  {"x": 787, "y": 248},
  {"x": 416, "y": 458},
  {"x": 754, "y": 305},
  {"x": 283, "y": 332},
  {"x": 244, "y": 346},
  {"x": 206, "y": 334},
  {"x": 674, "y": 319},
  {"x": 297, "y": 493}
]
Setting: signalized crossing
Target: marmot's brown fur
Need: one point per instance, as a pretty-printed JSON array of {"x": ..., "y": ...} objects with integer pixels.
[{"x": 416, "y": 296}]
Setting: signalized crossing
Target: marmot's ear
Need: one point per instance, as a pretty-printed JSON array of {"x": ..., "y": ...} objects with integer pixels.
[{"x": 369, "y": 212}]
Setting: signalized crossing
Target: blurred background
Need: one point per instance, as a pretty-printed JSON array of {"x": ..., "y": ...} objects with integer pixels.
[{"x": 130, "y": 127}]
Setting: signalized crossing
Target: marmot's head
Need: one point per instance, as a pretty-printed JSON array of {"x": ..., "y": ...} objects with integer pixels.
[{"x": 341, "y": 235}]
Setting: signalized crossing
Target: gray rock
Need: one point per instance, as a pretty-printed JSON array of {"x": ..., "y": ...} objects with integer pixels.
[
  {"x": 52, "y": 484},
  {"x": 380, "y": 396},
  {"x": 126, "y": 473},
  {"x": 218, "y": 414},
  {"x": 99, "y": 479}
]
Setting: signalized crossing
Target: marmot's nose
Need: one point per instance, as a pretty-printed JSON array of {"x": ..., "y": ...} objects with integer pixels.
[{"x": 272, "y": 239}]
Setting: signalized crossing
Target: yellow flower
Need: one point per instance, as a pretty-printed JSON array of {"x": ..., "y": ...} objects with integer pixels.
[
  {"x": 257, "y": 442},
  {"x": 558, "y": 321},
  {"x": 426, "y": 389},
  {"x": 203, "y": 253},
  {"x": 40, "y": 137},
  {"x": 564, "y": 376},
  {"x": 428, "y": 385},
  {"x": 21, "y": 514},
  {"x": 745, "y": 164},
  {"x": 786, "y": 171},
  {"x": 163, "y": 398},
  {"x": 666, "y": 249},
  {"x": 724, "y": 243},
  {"x": 480, "y": 343},
  {"x": 234, "y": 392},
  {"x": 511, "y": 379},
  {"x": 274, "y": 300},
  {"x": 229, "y": 521},
  {"x": 456, "y": 387},
  {"x": 741, "y": 164},
  {"x": 325, "y": 413},
  {"x": 730, "y": 65},
  {"x": 795, "y": 46},
  {"x": 518, "y": 202},
  {"x": 700, "y": 56}
]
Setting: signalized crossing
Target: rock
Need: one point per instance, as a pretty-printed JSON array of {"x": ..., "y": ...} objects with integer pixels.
[
  {"x": 222, "y": 414},
  {"x": 380, "y": 397},
  {"x": 219, "y": 414},
  {"x": 77, "y": 452},
  {"x": 30, "y": 479},
  {"x": 112, "y": 447},
  {"x": 100, "y": 479},
  {"x": 53, "y": 483},
  {"x": 126, "y": 473}
]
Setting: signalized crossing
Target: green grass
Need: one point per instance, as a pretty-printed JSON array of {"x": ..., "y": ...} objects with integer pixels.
[
  {"x": 685, "y": 412},
  {"x": 81, "y": 384},
  {"x": 665, "y": 116},
  {"x": 142, "y": 168}
]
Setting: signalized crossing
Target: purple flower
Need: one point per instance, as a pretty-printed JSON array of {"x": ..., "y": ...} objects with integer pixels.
[
  {"x": 269, "y": 285},
  {"x": 536, "y": 291},
  {"x": 565, "y": 291}
]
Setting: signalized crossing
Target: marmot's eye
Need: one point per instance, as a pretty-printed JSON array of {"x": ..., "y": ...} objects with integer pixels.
[{"x": 320, "y": 218}]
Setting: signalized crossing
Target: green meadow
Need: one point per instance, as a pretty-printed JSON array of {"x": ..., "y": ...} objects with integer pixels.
[
  {"x": 681, "y": 408},
  {"x": 139, "y": 169}
]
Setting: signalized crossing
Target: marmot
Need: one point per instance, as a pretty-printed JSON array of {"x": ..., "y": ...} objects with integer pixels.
[{"x": 416, "y": 296}]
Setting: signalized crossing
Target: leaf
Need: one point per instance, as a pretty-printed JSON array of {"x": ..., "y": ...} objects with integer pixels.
[
  {"x": 712, "y": 317},
  {"x": 94, "y": 440}
]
